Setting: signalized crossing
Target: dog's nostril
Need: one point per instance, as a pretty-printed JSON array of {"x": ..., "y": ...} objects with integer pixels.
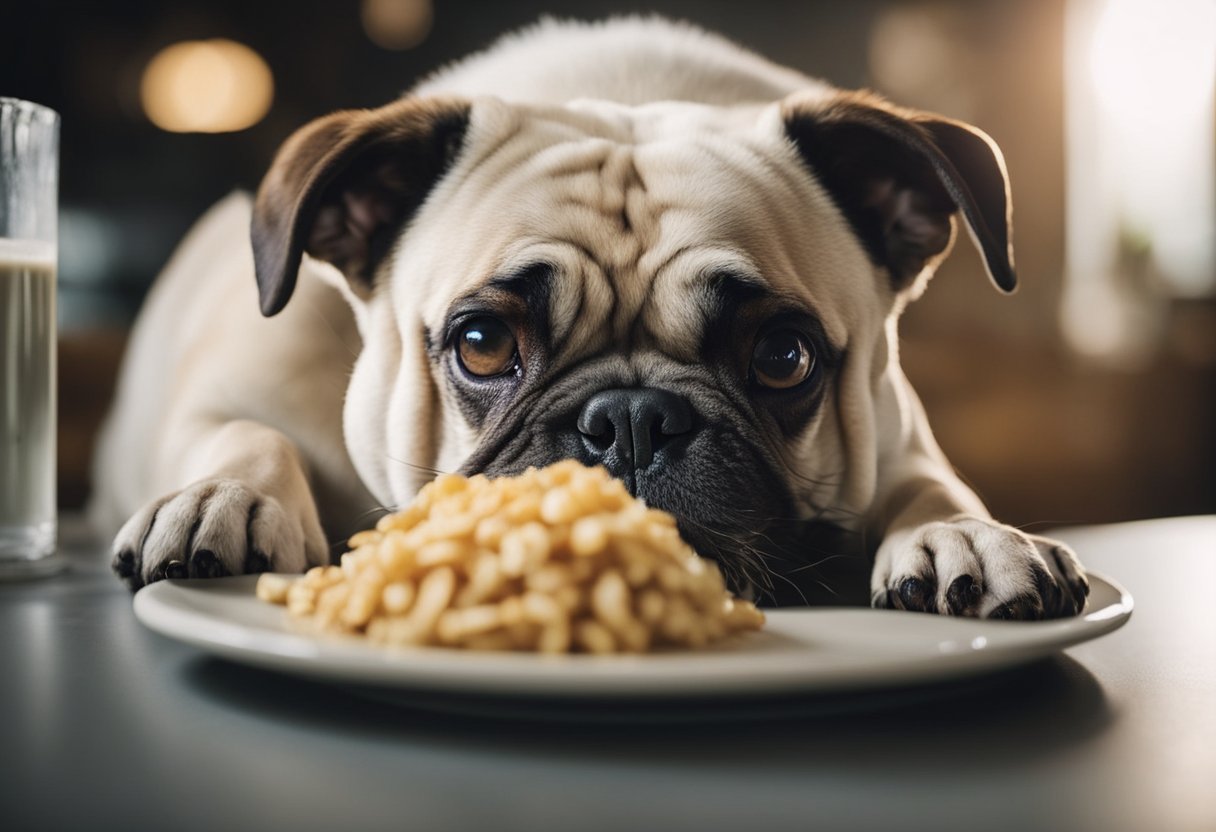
[
  {"x": 599, "y": 433},
  {"x": 672, "y": 414},
  {"x": 635, "y": 423},
  {"x": 594, "y": 422},
  {"x": 600, "y": 441}
]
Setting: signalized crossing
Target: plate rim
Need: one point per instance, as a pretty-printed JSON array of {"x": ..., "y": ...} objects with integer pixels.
[{"x": 689, "y": 674}]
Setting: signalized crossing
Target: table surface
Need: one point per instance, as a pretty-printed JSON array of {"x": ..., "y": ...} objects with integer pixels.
[{"x": 109, "y": 726}]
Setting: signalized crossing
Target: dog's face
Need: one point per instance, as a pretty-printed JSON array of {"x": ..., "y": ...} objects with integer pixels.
[{"x": 695, "y": 297}]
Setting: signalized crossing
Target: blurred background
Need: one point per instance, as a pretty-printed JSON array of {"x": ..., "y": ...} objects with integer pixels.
[{"x": 1088, "y": 396}]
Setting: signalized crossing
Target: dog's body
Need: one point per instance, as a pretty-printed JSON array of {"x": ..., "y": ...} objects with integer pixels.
[{"x": 632, "y": 243}]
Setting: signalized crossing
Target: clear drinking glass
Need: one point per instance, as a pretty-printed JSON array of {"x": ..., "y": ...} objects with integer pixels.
[{"x": 29, "y": 176}]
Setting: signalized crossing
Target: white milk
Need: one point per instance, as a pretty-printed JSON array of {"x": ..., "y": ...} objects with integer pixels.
[{"x": 27, "y": 399}]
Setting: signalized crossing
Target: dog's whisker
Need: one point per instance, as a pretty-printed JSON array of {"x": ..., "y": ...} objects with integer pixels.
[
  {"x": 434, "y": 472},
  {"x": 798, "y": 589},
  {"x": 1039, "y": 523},
  {"x": 319, "y": 313},
  {"x": 819, "y": 562},
  {"x": 374, "y": 510}
]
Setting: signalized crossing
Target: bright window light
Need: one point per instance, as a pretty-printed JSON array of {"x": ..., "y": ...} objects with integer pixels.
[{"x": 1140, "y": 76}]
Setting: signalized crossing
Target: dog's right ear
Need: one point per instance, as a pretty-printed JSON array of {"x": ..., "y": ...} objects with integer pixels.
[{"x": 342, "y": 187}]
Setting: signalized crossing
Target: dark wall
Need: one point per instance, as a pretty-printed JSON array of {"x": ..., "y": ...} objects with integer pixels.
[
  {"x": 85, "y": 60},
  {"x": 1043, "y": 434}
]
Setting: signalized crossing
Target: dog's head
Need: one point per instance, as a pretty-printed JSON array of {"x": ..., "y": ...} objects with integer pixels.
[{"x": 698, "y": 298}]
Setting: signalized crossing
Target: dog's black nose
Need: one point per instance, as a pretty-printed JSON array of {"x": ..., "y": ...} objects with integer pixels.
[{"x": 623, "y": 429}]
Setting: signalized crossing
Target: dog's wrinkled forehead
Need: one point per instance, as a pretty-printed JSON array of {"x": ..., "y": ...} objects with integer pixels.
[{"x": 635, "y": 212}]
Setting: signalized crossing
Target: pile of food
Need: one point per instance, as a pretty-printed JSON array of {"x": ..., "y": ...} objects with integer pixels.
[{"x": 556, "y": 560}]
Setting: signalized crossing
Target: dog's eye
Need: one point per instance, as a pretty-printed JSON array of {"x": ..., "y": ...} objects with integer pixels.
[
  {"x": 782, "y": 359},
  {"x": 486, "y": 347}
]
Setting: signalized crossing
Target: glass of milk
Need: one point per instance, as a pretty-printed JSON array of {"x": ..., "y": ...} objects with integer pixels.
[{"x": 29, "y": 176}]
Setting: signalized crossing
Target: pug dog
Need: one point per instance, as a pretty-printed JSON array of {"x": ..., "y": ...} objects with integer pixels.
[{"x": 631, "y": 243}]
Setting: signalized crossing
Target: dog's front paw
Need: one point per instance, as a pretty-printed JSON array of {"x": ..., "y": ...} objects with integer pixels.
[
  {"x": 215, "y": 528},
  {"x": 973, "y": 567}
]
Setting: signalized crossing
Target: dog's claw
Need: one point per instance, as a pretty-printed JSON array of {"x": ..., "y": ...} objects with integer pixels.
[
  {"x": 124, "y": 564},
  {"x": 1076, "y": 584},
  {"x": 256, "y": 562},
  {"x": 983, "y": 569},
  {"x": 916, "y": 595},
  {"x": 1022, "y": 608},
  {"x": 204, "y": 564},
  {"x": 212, "y": 529},
  {"x": 964, "y": 595}
]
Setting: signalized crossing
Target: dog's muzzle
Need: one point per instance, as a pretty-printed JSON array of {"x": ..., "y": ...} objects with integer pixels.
[{"x": 628, "y": 430}]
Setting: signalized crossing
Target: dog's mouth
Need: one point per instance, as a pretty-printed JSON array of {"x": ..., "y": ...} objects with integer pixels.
[
  {"x": 730, "y": 507},
  {"x": 789, "y": 563},
  {"x": 744, "y": 566},
  {"x": 765, "y": 554}
]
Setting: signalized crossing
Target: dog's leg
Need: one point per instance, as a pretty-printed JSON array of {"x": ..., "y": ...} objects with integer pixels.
[
  {"x": 942, "y": 552},
  {"x": 244, "y": 505},
  {"x": 227, "y": 425}
]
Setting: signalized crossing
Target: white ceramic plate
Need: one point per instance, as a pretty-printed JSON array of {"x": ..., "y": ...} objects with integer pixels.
[{"x": 799, "y": 652}]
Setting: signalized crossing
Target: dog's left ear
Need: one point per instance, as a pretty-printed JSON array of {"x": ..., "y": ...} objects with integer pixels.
[
  {"x": 898, "y": 176},
  {"x": 342, "y": 186}
]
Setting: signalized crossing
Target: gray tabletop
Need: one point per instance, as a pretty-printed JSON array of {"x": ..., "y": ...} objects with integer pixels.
[{"x": 108, "y": 726}]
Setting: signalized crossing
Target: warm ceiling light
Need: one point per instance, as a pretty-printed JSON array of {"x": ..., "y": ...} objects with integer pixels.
[
  {"x": 397, "y": 24},
  {"x": 206, "y": 86}
]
